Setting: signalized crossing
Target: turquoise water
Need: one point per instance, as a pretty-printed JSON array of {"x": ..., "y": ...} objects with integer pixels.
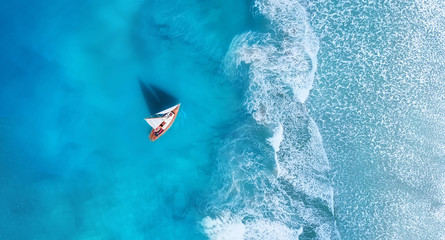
[{"x": 298, "y": 120}]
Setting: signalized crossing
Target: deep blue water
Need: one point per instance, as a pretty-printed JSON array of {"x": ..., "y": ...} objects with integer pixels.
[{"x": 298, "y": 120}]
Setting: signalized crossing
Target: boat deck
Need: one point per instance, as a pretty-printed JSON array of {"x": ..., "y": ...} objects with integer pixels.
[{"x": 153, "y": 136}]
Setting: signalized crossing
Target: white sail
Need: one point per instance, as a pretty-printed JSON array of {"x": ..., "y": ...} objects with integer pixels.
[
  {"x": 154, "y": 122},
  {"x": 167, "y": 110}
]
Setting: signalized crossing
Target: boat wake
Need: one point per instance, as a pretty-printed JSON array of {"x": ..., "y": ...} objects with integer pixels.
[{"x": 273, "y": 187}]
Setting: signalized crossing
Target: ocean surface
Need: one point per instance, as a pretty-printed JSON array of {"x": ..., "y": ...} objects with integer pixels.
[{"x": 318, "y": 119}]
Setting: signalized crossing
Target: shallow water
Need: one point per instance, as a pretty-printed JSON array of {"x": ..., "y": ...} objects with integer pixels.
[
  {"x": 76, "y": 160},
  {"x": 298, "y": 120}
]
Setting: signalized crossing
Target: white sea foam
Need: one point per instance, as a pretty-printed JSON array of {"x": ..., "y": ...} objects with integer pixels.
[
  {"x": 277, "y": 137},
  {"x": 275, "y": 142},
  {"x": 224, "y": 228},
  {"x": 281, "y": 71},
  {"x": 230, "y": 227}
]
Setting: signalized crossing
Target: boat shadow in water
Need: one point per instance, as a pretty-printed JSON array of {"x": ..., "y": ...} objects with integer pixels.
[{"x": 156, "y": 98}]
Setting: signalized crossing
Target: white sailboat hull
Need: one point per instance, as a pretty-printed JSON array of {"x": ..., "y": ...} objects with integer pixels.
[{"x": 167, "y": 121}]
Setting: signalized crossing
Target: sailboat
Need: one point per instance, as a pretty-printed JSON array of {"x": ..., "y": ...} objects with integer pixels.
[{"x": 162, "y": 121}]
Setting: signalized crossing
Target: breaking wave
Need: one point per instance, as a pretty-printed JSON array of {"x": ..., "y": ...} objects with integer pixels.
[{"x": 273, "y": 187}]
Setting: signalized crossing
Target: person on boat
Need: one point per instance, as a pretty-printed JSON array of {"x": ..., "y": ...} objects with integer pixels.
[{"x": 159, "y": 129}]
